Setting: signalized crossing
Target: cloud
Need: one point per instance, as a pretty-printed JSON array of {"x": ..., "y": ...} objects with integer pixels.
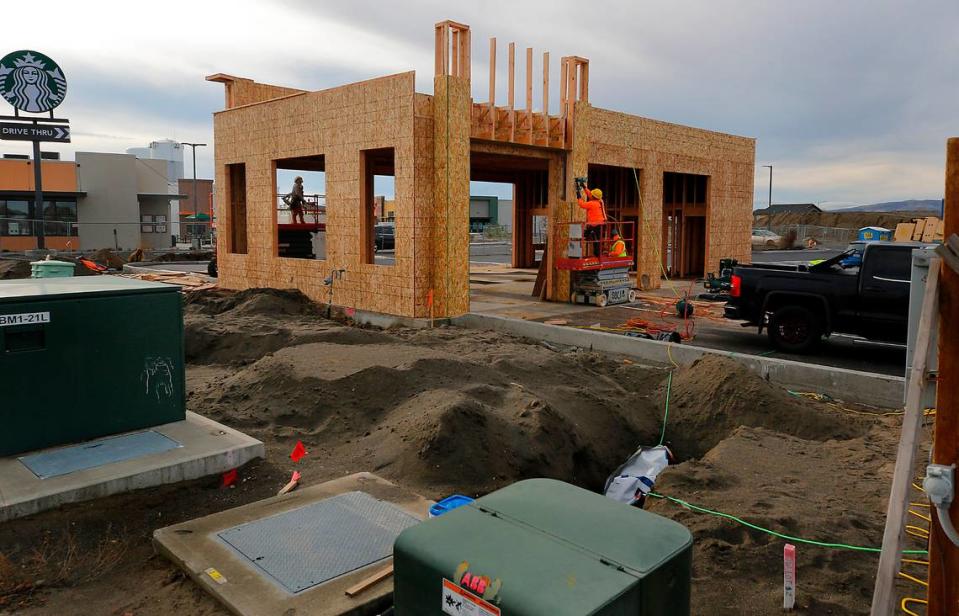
[{"x": 850, "y": 101}]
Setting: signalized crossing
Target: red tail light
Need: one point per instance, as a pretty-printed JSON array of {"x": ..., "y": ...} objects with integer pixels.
[{"x": 736, "y": 286}]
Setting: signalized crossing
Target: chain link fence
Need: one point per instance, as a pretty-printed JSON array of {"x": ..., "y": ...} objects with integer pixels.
[{"x": 824, "y": 236}]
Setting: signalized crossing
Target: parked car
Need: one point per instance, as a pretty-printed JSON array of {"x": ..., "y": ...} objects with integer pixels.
[
  {"x": 764, "y": 238},
  {"x": 799, "y": 304},
  {"x": 384, "y": 237}
]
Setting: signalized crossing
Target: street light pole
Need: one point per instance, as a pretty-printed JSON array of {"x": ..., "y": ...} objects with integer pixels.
[
  {"x": 195, "y": 241},
  {"x": 769, "y": 211}
]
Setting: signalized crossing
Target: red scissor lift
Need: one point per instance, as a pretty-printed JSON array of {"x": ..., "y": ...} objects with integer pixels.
[{"x": 596, "y": 277}]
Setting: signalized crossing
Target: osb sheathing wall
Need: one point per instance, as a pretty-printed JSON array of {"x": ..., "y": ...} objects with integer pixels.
[
  {"x": 656, "y": 147},
  {"x": 337, "y": 123},
  {"x": 451, "y": 190}
]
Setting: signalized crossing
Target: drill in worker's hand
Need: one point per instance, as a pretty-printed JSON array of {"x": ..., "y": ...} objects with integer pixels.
[{"x": 580, "y": 185}]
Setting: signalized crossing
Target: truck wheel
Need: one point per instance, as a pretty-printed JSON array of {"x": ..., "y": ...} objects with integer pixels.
[
  {"x": 602, "y": 300},
  {"x": 795, "y": 329},
  {"x": 211, "y": 269}
]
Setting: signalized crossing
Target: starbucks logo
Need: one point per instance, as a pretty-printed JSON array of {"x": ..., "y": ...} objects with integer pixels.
[{"x": 31, "y": 82}]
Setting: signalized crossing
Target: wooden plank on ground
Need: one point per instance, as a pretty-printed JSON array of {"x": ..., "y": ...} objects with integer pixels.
[
  {"x": 884, "y": 595},
  {"x": 374, "y": 579},
  {"x": 540, "y": 285}
]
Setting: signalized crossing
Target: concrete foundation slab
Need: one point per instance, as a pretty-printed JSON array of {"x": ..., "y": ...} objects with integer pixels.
[
  {"x": 242, "y": 586},
  {"x": 205, "y": 448}
]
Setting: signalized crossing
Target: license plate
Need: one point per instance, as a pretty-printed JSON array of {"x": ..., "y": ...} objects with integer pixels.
[{"x": 24, "y": 318}]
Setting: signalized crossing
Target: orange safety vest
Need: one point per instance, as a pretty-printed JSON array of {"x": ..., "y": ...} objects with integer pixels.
[{"x": 618, "y": 249}]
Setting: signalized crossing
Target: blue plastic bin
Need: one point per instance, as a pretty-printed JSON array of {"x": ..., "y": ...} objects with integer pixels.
[{"x": 449, "y": 504}]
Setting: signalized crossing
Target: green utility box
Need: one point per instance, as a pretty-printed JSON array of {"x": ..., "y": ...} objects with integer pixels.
[
  {"x": 87, "y": 357},
  {"x": 545, "y": 548}
]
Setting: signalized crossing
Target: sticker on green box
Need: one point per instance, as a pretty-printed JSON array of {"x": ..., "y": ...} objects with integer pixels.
[{"x": 461, "y": 602}]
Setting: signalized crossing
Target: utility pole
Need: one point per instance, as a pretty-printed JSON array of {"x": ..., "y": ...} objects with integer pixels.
[
  {"x": 769, "y": 210},
  {"x": 943, "y": 594},
  {"x": 38, "y": 194},
  {"x": 195, "y": 241}
]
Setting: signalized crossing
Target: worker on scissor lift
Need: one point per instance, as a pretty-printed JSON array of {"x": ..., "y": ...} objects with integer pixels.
[
  {"x": 618, "y": 247},
  {"x": 595, "y": 213}
]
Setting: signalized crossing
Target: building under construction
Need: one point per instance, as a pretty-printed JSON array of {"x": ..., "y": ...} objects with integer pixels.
[{"x": 687, "y": 191}]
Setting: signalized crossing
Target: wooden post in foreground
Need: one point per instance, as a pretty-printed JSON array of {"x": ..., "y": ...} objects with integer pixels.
[{"x": 943, "y": 555}]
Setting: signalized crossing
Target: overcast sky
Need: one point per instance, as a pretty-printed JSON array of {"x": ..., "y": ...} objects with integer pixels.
[{"x": 850, "y": 100}]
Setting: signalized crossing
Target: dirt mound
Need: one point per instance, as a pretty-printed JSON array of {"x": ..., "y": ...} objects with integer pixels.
[
  {"x": 715, "y": 395},
  {"x": 107, "y": 257},
  {"x": 441, "y": 419},
  {"x": 251, "y": 302},
  {"x": 200, "y": 255},
  {"x": 843, "y": 220},
  {"x": 824, "y": 491},
  {"x": 11, "y": 269}
]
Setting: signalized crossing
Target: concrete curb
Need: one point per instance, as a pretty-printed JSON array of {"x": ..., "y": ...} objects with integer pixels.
[{"x": 840, "y": 383}]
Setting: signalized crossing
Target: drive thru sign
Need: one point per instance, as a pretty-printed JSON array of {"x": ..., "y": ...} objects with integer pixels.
[{"x": 34, "y": 132}]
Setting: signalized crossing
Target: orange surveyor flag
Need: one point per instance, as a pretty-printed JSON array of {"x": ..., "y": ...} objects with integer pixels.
[
  {"x": 429, "y": 298},
  {"x": 298, "y": 452}
]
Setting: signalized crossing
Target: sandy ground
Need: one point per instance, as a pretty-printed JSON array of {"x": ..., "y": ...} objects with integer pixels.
[{"x": 451, "y": 410}]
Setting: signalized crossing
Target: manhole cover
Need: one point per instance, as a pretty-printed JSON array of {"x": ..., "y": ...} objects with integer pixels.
[
  {"x": 317, "y": 543},
  {"x": 96, "y": 453}
]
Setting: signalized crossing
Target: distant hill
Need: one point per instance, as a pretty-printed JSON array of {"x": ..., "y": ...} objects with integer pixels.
[{"x": 911, "y": 205}]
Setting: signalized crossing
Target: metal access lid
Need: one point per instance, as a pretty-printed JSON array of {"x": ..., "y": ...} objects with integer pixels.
[
  {"x": 52, "y": 288},
  {"x": 634, "y": 539}
]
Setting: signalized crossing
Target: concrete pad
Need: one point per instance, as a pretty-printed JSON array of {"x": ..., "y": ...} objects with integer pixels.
[
  {"x": 206, "y": 448},
  {"x": 196, "y": 547}
]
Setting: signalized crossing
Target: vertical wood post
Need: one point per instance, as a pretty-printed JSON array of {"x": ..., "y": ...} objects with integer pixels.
[{"x": 943, "y": 555}]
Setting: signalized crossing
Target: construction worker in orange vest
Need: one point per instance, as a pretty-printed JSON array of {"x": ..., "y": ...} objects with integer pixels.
[
  {"x": 618, "y": 247},
  {"x": 595, "y": 213}
]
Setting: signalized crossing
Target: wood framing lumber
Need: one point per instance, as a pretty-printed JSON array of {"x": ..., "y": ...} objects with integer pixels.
[
  {"x": 943, "y": 594},
  {"x": 884, "y": 600},
  {"x": 949, "y": 252},
  {"x": 492, "y": 74},
  {"x": 546, "y": 94},
  {"x": 369, "y": 582}
]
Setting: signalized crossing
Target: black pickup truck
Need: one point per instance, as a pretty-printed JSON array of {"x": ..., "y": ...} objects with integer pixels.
[{"x": 864, "y": 292}]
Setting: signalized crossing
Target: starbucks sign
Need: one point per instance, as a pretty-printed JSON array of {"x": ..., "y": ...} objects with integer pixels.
[{"x": 31, "y": 82}]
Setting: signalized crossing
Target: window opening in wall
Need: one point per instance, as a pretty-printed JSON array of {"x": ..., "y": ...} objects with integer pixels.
[
  {"x": 236, "y": 200},
  {"x": 620, "y": 186},
  {"x": 521, "y": 187},
  {"x": 301, "y": 207},
  {"x": 685, "y": 198},
  {"x": 377, "y": 215}
]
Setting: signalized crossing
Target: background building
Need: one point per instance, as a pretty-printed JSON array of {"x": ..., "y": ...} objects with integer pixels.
[
  {"x": 204, "y": 209},
  {"x": 172, "y": 153},
  {"x": 100, "y": 200}
]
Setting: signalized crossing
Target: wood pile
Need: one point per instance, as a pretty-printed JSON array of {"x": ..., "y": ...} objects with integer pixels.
[
  {"x": 188, "y": 281},
  {"x": 929, "y": 229}
]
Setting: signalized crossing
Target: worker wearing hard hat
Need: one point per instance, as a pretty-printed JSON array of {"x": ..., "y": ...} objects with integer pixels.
[
  {"x": 595, "y": 213},
  {"x": 296, "y": 201},
  {"x": 618, "y": 247}
]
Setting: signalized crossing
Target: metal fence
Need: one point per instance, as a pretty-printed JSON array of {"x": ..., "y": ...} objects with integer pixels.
[{"x": 824, "y": 236}]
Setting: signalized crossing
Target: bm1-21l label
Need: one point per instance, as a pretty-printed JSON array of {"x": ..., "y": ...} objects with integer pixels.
[{"x": 24, "y": 318}]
